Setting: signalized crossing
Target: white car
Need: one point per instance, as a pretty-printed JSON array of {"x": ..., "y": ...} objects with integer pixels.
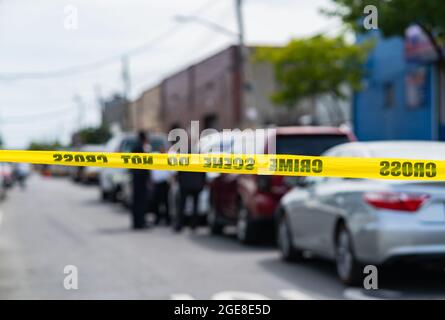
[
  {"x": 360, "y": 221},
  {"x": 111, "y": 179},
  {"x": 3, "y": 186}
]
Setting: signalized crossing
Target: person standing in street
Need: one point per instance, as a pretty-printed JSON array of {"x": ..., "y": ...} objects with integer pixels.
[
  {"x": 21, "y": 172},
  {"x": 161, "y": 186},
  {"x": 140, "y": 185},
  {"x": 190, "y": 185}
]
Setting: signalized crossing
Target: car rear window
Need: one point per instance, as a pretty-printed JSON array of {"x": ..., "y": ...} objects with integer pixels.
[
  {"x": 310, "y": 145},
  {"x": 158, "y": 144},
  {"x": 128, "y": 145}
]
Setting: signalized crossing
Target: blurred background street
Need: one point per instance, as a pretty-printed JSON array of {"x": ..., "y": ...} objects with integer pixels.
[
  {"x": 54, "y": 223},
  {"x": 337, "y": 78}
]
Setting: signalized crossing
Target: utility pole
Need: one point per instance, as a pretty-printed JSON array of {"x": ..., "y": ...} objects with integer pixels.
[
  {"x": 243, "y": 66},
  {"x": 80, "y": 119},
  {"x": 241, "y": 61},
  {"x": 240, "y": 22},
  {"x": 80, "y": 111},
  {"x": 100, "y": 102},
  {"x": 126, "y": 76}
]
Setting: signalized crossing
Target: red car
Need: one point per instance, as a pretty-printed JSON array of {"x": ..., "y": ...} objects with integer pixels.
[{"x": 250, "y": 201}]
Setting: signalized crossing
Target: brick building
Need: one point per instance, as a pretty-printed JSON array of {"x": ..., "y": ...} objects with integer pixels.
[
  {"x": 114, "y": 112},
  {"x": 211, "y": 91},
  {"x": 144, "y": 112},
  {"x": 208, "y": 91}
]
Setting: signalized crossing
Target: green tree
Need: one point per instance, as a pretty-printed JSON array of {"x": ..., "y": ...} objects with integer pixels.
[
  {"x": 44, "y": 146},
  {"x": 395, "y": 16},
  {"x": 94, "y": 135},
  {"x": 308, "y": 68}
]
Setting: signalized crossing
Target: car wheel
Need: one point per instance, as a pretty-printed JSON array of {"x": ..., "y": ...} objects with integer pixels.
[
  {"x": 349, "y": 269},
  {"x": 246, "y": 230},
  {"x": 114, "y": 195},
  {"x": 284, "y": 240},
  {"x": 212, "y": 220},
  {"x": 104, "y": 195}
]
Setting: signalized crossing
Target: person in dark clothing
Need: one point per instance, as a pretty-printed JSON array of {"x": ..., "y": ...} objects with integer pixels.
[
  {"x": 190, "y": 185},
  {"x": 160, "y": 202},
  {"x": 140, "y": 185},
  {"x": 161, "y": 185}
]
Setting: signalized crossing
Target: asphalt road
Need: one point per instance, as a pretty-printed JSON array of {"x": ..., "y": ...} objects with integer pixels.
[{"x": 55, "y": 223}]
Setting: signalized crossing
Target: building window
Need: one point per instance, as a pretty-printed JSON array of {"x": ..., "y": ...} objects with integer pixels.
[
  {"x": 389, "y": 95},
  {"x": 416, "y": 88}
]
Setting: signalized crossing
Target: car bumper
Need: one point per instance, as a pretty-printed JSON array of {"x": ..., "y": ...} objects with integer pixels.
[{"x": 397, "y": 237}]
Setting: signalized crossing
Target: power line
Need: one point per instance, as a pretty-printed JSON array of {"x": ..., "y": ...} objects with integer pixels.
[
  {"x": 32, "y": 117},
  {"x": 88, "y": 67}
]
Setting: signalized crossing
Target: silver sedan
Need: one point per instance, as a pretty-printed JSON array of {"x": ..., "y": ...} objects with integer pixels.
[{"x": 358, "y": 221}]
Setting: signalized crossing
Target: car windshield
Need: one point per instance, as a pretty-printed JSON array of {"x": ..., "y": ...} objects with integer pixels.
[
  {"x": 158, "y": 144},
  {"x": 311, "y": 145},
  {"x": 128, "y": 145}
]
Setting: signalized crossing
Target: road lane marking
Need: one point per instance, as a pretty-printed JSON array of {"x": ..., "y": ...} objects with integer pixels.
[
  {"x": 288, "y": 294},
  {"x": 294, "y": 295},
  {"x": 181, "y": 296},
  {"x": 238, "y": 295},
  {"x": 378, "y": 294},
  {"x": 357, "y": 294}
]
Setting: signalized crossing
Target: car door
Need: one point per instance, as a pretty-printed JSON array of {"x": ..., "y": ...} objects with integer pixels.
[
  {"x": 328, "y": 200},
  {"x": 221, "y": 185},
  {"x": 302, "y": 213},
  {"x": 325, "y": 206},
  {"x": 228, "y": 185},
  {"x": 314, "y": 213}
]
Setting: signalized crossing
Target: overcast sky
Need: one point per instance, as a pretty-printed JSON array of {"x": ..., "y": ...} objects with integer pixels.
[{"x": 33, "y": 39}]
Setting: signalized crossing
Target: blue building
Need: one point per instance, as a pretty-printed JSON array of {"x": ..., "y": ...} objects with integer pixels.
[{"x": 399, "y": 97}]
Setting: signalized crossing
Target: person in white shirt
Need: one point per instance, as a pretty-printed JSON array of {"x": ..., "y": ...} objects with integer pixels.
[{"x": 161, "y": 186}]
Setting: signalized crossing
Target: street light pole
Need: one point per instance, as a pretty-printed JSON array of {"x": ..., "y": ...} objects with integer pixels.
[
  {"x": 241, "y": 58},
  {"x": 126, "y": 76},
  {"x": 243, "y": 69},
  {"x": 80, "y": 111},
  {"x": 240, "y": 22}
]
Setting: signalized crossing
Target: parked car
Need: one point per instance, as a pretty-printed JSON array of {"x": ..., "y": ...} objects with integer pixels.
[
  {"x": 3, "y": 186},
  {"x": 7, "y": 174},
  {"x": 361, "y": 221},
  {"x": 250, "y": 201},
  {"x": 87, "y": 174},
  {"x": 111, "y": 179},
  {"x": 159, "y": 143},
  {"x": 61, "y": 171}
]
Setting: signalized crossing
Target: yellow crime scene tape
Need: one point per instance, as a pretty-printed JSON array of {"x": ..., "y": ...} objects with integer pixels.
[{"x": 284, "y": 165}]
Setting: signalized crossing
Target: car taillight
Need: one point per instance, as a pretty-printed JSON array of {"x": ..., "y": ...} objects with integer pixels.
[{"x": 395, "y": 200}]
